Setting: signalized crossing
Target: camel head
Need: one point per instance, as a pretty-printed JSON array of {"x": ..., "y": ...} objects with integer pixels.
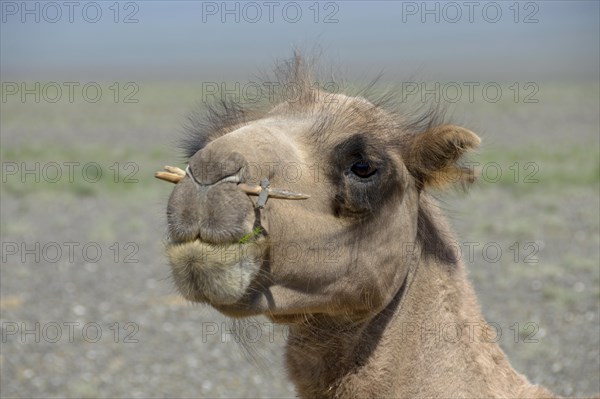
[{"x": 360, "y": 167}]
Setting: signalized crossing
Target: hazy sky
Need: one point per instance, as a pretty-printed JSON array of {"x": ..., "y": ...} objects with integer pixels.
[{"x": 192, "y": 39}]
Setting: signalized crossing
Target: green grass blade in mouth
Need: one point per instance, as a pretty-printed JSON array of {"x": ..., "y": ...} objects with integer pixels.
[{"x": 256, "y": 231}]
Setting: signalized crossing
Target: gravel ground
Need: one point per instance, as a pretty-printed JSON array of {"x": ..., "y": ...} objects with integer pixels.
[{"x": 164, "y": 347}]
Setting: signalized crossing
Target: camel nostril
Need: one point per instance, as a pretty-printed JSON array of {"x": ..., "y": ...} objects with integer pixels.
[
  {"x": 236, "y": 177},
  {"x": 209, "y": 166}
]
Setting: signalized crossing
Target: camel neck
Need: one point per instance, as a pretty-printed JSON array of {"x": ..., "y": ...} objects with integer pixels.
[{"x": 429, "y": 341}]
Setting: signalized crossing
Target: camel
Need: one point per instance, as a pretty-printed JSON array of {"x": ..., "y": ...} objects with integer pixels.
[{"x": 375, "y": 296}]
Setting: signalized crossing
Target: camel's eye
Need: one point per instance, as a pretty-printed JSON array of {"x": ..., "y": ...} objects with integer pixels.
[{"x": 363, "y": 169}]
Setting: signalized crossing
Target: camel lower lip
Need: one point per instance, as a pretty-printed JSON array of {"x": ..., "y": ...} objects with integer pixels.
[{"x": 217, "y": 274}]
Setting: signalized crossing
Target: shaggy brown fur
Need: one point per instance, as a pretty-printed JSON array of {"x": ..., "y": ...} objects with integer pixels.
[{"x": 391, "y": 313}]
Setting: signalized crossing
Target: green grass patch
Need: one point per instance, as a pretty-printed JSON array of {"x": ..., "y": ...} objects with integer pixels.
[
  {"x": 82, "y": 171},
  {"x": 539, "y": 168}
]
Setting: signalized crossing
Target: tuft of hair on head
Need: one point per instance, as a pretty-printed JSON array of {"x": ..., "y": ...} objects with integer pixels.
[
  {"x": 296, "y": 73},
  {"x": 290, "y": 83},
  {"x": 433, "y": 156}
]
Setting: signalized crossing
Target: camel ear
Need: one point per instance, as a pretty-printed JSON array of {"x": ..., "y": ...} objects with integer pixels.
[{"x": 432, "y": 156}]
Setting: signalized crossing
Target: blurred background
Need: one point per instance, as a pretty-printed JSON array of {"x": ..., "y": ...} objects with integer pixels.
[{"x": 94, "y": 96}]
